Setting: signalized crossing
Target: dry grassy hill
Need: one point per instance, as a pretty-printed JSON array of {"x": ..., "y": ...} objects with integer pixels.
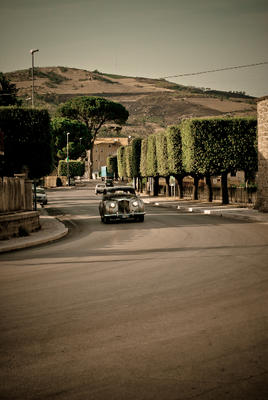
[{"x": 152, "y": 103}]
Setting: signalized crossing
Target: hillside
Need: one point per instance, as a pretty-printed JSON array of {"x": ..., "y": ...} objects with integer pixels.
[{"x": 152, "y": 103}]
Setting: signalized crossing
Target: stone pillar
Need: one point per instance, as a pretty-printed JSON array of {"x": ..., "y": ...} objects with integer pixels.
[{"x": 262, "y": 195}]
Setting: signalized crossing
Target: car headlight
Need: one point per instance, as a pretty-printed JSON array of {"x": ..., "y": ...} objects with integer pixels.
[
  {"x": 135, "y": 203},
  {"x": 112, "y": 205}
]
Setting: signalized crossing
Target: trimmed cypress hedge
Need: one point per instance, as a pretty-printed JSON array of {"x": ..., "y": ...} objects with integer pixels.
[
  {"x": 219, "y": 145},
  {"x": 136, "y": 157},
  {"x": 143, "y": 160},
  {"x": 128, "y": 161},
  {"x": 151, "y": 156},
  {"x": 162, "y": 154},
  {"x": 174, "y": 150},
  {"x": 112, "y": 166},
  {"x": 121, "y": 162}
]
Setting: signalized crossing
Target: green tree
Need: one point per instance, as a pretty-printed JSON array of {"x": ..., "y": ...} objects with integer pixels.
[
  {"x": 136, "y": 159},
  {"x": 174, "y": 151},
  {"x": 162, "y": 159},
  {"x": 217, "y": 146},
  {"x": 76, "y": 168},
  {"x": 79, "y": 138},
  {"x": 28, "y": 141},
  {"x": 94, "y": 112},
  {"x": 143, "y": 160},
  {"x": 128, "y": 161},
  {"x": 121, "y": 162},
  {"x": 8, "y": 92},
  {"x": 151, "y": 162},
  {"x": 112, "y": 166}
]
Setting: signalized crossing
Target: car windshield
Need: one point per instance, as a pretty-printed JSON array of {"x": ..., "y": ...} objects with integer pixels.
[
  {"x": 40, "y": 190},
  {"x": 119, "y": 191}
]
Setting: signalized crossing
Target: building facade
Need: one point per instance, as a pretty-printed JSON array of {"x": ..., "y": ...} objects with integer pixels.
[
  {"x": 262, "y": 196},
  {"x": 103, "y": 148}
]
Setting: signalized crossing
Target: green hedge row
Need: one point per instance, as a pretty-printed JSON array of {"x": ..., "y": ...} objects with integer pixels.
[
  {"x": 76, "y": 168},
  {"x": 112, "y": 166},
  {"x": 197, "y": 147},
  {"x": 215, "y": 146}
]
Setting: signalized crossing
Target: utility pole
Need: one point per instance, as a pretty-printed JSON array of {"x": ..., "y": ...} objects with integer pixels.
[{"x": 32, "y": 53}]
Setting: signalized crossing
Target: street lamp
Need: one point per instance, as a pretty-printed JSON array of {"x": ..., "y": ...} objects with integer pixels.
[
  {"x": 32, "y": 53},
  {"x": 68, "y": 133}
]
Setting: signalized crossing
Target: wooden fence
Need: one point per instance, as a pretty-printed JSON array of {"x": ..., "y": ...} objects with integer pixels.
[{"x": 15, "y": 194}]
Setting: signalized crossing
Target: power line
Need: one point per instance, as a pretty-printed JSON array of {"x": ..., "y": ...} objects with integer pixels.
[{"x": 216, "y": 70}]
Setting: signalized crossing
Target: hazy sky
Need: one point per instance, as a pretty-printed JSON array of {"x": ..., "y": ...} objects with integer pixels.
[{"x": 149, "y": 38}]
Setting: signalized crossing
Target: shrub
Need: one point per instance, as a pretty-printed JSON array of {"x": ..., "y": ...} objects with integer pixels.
[{"x": 76, "y": 168}]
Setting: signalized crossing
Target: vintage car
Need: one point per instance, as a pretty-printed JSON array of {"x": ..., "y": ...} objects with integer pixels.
[{"x": 121, "y": 202}]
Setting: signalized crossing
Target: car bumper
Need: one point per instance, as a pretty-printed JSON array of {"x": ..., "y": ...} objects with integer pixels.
[{"x": 124, "y": 215}]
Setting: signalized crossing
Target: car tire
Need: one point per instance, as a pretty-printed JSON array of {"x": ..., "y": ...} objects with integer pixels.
[{"x": 140, "y": 218}]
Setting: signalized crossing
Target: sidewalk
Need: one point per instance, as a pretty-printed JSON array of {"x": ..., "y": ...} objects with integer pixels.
[
  {"x": 236, "y": 211},
  {"x": 51, "y": 229}
]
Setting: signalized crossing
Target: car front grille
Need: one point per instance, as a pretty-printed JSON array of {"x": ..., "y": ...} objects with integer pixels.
[{"x": 123, "y": 206}]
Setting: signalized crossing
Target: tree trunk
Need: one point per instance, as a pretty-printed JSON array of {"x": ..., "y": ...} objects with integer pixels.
[
  {"x": 90, "y": 162},
  {"x": 155, "y": 185},
  {"x": 168, "y": 189},
  {"x": 148, "y": 186},
  {"x": 180, "y": 183},
  {"x": 209, "y": 188},
  {"x": 224, "y": 188},
  {"x": 140, "y": 188},
  {"x": 195, "y": 193}
]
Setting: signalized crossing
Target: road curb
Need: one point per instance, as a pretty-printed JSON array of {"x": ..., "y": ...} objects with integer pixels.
[
  {"x": 51, "y": 230},
  {"x": 234, "y": 213}
]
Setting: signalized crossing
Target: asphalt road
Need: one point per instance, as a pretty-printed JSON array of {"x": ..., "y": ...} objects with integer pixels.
[{"x": 174, "y": 308}]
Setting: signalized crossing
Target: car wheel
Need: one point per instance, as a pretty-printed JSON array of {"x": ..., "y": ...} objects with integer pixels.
[{"x": 140, "y": 218}]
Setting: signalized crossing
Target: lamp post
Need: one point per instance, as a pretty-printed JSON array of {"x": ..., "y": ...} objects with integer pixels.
[
  {"x": 80, "y": 149},
  {"x": 68, "y": 133},
  {"x": 32, "y": 53}
]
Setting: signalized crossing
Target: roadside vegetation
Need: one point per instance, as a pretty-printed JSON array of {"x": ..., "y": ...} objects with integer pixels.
[{"x": 200, "y": 148}]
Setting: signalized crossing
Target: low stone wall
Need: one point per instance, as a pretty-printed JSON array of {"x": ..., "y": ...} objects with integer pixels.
[
  {"x": 18, "y": 224},
  {"x": 51, "y": 181}
]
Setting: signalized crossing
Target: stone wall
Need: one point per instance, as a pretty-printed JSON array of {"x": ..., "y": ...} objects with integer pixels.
[
  {"x": 262, "y": 196},
  {"x": 51, "y": 181},
  {"x": 18, "y": 224}
]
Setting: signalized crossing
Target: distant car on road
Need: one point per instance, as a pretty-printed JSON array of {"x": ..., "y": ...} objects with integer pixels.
[
  {"x": 121, "y": 202},
  {"x": 41, "y": 196},
  {"x": 99, "y": 188},
  {"x": 109, "y": 182}
]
